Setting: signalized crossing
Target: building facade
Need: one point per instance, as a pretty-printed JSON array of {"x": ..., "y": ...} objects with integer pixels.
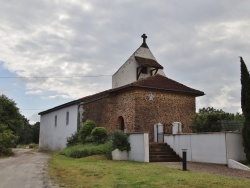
[{"x": 141, "y": 96}]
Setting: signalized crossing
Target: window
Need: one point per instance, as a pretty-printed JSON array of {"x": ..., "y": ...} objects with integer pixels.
[
  {"x": 67, "y": 118},
  {"x": 55, "y": 120}
]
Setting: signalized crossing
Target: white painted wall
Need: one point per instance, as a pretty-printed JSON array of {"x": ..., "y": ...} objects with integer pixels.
[
  {"x": 235, "y": 149},
  {"x": 208, "y": 147},
  {"x": 54, "y": 137},
  {"x": 235, "y": 164},
  {"x": 176, "y": 127},
  {"x": 139, "y": 143},
  {"x": 127, "y": 73}
]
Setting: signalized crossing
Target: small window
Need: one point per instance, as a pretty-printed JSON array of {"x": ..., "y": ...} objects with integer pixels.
[
  {"x": 55, "y": 121},
  {"x": 67, "y": 118}
]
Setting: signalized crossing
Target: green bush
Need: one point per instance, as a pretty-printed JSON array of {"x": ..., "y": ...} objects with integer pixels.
[
  {"x": 7, "y": 141},
  {"x": 99, "y": 134},
  {"x": 72, "y": 140},
  {"x": 89, "y": 139},
  {"x": 120, "y": 141},
  {"x": 86, "y": 130},
  {"x": 84, "y": 150}
]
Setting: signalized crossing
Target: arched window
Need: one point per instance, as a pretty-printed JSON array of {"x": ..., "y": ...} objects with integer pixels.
[{"x": 121, "y": 123}]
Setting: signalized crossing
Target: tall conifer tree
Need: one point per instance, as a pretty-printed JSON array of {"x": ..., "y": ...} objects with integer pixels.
[{"x": 245, "y": 105}]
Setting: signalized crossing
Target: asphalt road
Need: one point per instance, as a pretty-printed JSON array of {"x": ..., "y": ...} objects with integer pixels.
[{"x": 26, "y": 169}]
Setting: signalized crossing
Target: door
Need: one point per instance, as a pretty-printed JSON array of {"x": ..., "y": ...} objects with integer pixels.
[{"x": 158, "y": 133}]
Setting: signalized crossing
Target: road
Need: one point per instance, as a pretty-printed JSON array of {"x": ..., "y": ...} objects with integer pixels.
[{"x": 26, "y": 169}]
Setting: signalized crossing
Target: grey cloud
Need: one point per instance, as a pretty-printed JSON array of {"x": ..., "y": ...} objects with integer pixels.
[{"x": 193, "y": 40}]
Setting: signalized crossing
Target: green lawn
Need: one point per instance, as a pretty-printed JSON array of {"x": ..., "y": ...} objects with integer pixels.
[{"x": 97, "y": 171}]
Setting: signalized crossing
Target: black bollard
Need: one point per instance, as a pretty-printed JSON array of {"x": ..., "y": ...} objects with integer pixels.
[{"x": 184, "y": 159}]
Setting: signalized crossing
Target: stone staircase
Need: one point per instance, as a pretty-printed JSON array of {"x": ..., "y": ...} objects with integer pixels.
[{"x": 162, "y": 152}]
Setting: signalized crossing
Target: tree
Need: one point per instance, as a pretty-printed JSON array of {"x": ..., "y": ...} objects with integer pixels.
[
  {"x": 15, "y": 121},
  {"x": 36, "y": 132},
  {"x": 214, "y": 120},
  {"x": 26, "y": 133},
  {"x": 245, "y": 106},
  {"x": 10, "y": 115},
  {"x": 207, "y": 120}
]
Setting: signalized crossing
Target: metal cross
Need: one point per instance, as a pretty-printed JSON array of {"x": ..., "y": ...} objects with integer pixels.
[{"x": 144, "y": 36}]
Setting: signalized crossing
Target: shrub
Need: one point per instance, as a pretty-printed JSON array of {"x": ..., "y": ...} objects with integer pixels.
[
  {"x": 7, "y": 141},
  {"x": 99, "y": 134},
  {"x": 89, "y": 139},
  {"x": 33, "y": 145},
  {"x": 72, "y": 140},
  {"x": 84, "y": 150},
  {"x": 120, "y": 141},
  {"x": 86, "y": 130}
]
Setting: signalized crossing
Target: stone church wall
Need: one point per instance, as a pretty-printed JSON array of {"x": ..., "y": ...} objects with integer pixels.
[
  {"x": 165, "y": 108},
  {"x": 105, "y": 112},
  {"x": 141, "y": 109}
]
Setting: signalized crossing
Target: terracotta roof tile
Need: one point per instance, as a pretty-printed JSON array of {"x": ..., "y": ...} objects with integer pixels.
[{"x": 164, "y": 83}]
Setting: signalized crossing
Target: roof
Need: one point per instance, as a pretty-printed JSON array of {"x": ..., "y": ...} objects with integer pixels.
[
  {"x": 88, "y": 98},
  {"x": 148, "y": 62},
  {"x": 157, "y": 82},
  {"x": 163, "y": 83}
]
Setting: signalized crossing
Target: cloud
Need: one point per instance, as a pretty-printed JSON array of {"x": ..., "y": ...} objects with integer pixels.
[
  {"x": 38, "y": 91},
  {"x": 57, "y": 97},
  {"x": 198, "y": 43},
  {"x": 34, "y": 118}
]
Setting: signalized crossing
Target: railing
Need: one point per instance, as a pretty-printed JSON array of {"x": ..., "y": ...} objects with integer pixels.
[{"x": 231, "y": 125}]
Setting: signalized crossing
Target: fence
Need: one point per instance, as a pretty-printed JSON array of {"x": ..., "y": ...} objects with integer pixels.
[{"x": 231, "y": 125}]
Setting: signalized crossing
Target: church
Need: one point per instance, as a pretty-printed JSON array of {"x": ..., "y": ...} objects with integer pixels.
[{"x": 141, "y": 97}]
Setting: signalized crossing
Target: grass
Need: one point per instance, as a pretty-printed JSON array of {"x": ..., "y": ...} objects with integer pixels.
[
  {"x": 97, "y": 171},
  {"x": 26, "y": 146},
  {"x": 23, "y": 146}
]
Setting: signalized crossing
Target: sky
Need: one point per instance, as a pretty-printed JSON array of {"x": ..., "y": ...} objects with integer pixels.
[{"x": 56, "y": 51}]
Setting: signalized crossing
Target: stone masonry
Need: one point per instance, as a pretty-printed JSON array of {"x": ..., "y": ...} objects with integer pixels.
[{"x": 141, "y": 108}]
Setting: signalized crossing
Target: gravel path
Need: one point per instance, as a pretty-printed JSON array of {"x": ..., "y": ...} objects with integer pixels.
[
  {"x": 210, "y": 168},
  {"x": 26, "y": 169}
]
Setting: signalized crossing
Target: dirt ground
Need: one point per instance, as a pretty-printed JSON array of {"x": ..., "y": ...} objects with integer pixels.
[
  {"x": 26, "y": 169},
  {"x": 210, "y": 168}
]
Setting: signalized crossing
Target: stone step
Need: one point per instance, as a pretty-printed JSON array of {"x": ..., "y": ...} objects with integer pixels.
[
  {"x": 162, "y": 152},
  {"x": 161, "y": 149},
  {"x": 164, "y": 160},
  {"x": 158, "y": 148},
  {"x": 163, "y": 155},
  {"x": 159, "y": 145}
]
